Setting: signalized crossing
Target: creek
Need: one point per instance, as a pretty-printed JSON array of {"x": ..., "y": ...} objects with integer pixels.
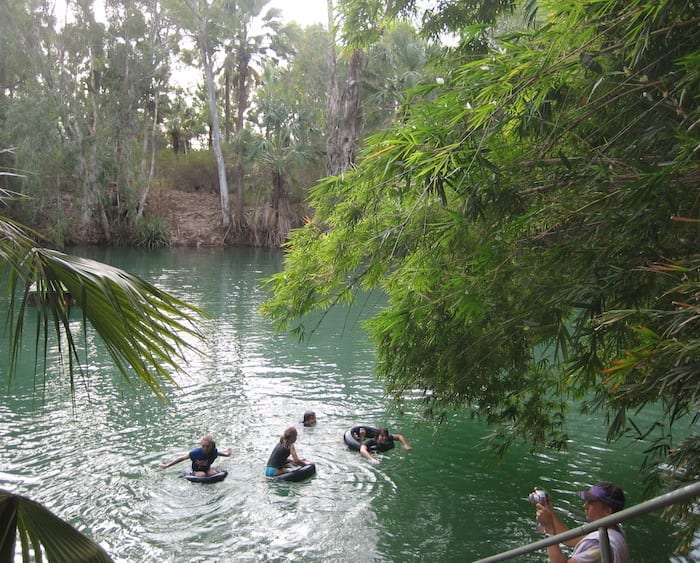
[{"x": 91, "y": 456}]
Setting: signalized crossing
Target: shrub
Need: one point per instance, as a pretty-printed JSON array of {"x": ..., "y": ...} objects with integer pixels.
[{"x": 152, "y": 232}]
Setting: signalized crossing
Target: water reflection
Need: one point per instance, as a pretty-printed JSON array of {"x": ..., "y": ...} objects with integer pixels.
[{"x": 92, "y": 457}]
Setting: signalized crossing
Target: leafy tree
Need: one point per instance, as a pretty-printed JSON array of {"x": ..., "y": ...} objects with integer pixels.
[
  {"x": 248, "y": 47},
  {"x": 398, "y": 62},
  {"x": 360, "y": 25},
  {"x": 157, "y": 44},
  {"x": 206, "y": 14},
  {"x": 308, "y": 79},
  {"x": 534, "y": 224},
  {"x": 88, "y": 91},
  {"x": 286, "y": 144},
  {"x": 183, "y": 121},
  {"x": 436, "y": 18},
  {"x": 308, "y": 84}
]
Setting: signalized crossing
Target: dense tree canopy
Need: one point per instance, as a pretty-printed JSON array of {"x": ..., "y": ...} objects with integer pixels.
[
  {"x": 90, "y": 104},
  {"x": 533, "y": 219}
]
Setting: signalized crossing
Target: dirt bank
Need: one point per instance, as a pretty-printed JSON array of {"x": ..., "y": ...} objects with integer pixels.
[{"x": 194, "y": 218}]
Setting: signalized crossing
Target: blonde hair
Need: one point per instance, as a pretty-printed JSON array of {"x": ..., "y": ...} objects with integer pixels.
[{"x": 289, "y": 436}]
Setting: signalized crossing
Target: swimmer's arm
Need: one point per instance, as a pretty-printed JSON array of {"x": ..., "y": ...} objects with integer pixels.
[
  {"x": 403, "y": 441},
  {"x": 295, "y": 457},
  {"x": 173, "y": 462},
  {"x": 365, "y": 453}
]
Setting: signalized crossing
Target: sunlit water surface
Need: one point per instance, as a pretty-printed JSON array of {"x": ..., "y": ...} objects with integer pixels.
[{"x": 92, "y": 457}]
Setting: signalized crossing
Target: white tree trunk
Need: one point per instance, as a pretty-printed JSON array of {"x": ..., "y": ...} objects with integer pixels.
[{"x": 208, "y": 63}]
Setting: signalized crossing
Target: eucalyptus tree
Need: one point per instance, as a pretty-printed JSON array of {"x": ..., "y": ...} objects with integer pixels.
[
  {"x": 206, "y": 16},
  {"x": 534, "y": 224},
  {"x": 157, "y": 45},
  {"x": 40, "y": 103},
  {"x": 86, "y": 94},
  {"x": 134, "y": 79},
  {"x": 14, "y": 63},
  {"x": 84, "y": 64}
]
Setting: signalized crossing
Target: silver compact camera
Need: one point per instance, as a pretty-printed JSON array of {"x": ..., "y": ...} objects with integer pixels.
[{"x": 538, "y": 496}]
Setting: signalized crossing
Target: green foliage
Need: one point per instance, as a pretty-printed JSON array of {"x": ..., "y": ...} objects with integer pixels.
[
  {"x": 365, "y": 21},
  {"x": 146, "y": 331},
  {"x": 398, "y": 62},
  {"x": 59, "y": 230},
  {"x": 78, "y": 93},
  {"x": 190, "y": 172},
  {"x": 42, "y": 534},
  {"x": 152, "y": 232},
  {"x": 534, "y": 224}
]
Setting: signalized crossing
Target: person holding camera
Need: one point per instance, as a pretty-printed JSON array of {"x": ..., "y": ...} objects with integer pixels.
[{"x": 602, "y": 499}]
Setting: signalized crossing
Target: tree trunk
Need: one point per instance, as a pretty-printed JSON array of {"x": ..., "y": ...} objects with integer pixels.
[
  {"x": 242, "y": 62},
  {"x": 215, "y": 128},
  {"x": 227, "y": 102},
  {"x": 88, "y": 157},
  {"x": 343, "y": 108},
  {"x": 152, "y": 168},
  {"x": 216, "y": 134},
  {"x": 150, "y": 136},
  {"x": 334, "y": 94},
  {"x": 208, "y": 63},
  {"x": 278, "y": 192}
]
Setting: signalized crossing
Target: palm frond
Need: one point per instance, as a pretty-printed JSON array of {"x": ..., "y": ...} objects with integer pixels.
[
  {"x": 145, "y": 330},
  {"x": 43, "y": 533}
]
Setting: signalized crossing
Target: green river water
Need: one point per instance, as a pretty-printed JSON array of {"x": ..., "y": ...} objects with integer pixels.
[{"x": 93, "y": 459}]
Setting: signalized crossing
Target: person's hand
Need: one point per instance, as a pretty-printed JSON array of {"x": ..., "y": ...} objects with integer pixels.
[
  {"x": 374, "y": 461},
  {"x": 407, "y": 447},
  {"x": 163, "y": 465},
  {"x": 545, "y": 516},
  {"x": 229, "y": 451}
]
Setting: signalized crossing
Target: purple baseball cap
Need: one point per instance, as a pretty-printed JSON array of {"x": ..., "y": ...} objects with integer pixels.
[{"x": 605, "y": 492}]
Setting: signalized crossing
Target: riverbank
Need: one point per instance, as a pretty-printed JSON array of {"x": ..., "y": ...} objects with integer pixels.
[{"x": 194, "y": 218}]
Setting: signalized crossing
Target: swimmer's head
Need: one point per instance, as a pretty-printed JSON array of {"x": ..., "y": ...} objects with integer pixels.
[{"x": 309, "y": 418}]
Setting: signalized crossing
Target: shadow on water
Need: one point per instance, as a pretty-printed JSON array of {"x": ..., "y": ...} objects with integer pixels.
[{"x": 93, "y": 459}]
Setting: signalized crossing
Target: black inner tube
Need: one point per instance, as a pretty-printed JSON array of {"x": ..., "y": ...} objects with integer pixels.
[
  {"x": 298, "y": 474},
  {"x": 220, "y": 476},
  {"x": 350, "y": 435}
]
